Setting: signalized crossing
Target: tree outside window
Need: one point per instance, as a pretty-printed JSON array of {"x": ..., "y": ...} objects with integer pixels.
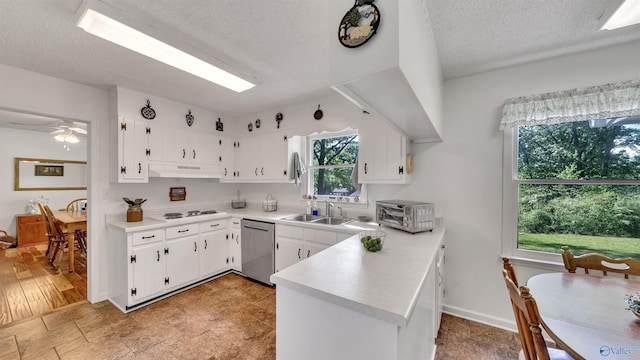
[
  {"x": 579, "y": 185},
  {"x": 333, "y": 158}
]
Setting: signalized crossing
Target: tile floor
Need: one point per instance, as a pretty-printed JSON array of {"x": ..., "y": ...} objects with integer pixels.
[{"x": 227, "y": 318}]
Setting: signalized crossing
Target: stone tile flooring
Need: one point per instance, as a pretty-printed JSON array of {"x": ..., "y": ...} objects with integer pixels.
[{"x": 226, "y": 318}]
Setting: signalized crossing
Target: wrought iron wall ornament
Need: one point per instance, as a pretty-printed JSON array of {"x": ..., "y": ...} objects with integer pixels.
[
  {"x": 189, "y": 118},
  {"x": 219, "y": 125},
  {"x": 318, "y": 113},
  {"x": 147, "y": 111},
  {"x": 258, "y": 124},
  {"x": 359, "y": 24},
  {"x": 250, "y": 127},
  {"x": 279, "y": 118}
]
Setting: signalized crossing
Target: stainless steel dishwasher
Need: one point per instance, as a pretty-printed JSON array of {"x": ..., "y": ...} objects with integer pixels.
[{"x": 258, "y": 249}]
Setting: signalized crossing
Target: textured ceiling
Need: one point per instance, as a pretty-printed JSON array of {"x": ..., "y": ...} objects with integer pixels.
[{"x": 284, "y": 43}]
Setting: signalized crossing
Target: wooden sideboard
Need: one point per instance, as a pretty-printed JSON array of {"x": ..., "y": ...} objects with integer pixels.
[{"x": 30, "y": 229}]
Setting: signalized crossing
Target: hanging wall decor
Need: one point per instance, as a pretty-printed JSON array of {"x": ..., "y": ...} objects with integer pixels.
[
  {"x": 359, "y": 24},
  {"x": 250, "y": 127},
  {"x": 147, "y": 111},
  {"x": 219, "y": 125},
  {"x": 258, "y": 124},
  {"x": 279, "y": 118},
  {"x": 318, "y": 113},
  {"x": 189, "y": 117}
]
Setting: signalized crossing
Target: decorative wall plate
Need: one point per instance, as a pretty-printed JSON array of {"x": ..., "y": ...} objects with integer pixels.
[
  {"x": 219, "y": 125},
  {"x": 147, "y": 111},
  {"x": 359, "y": 24},
  {"x": 250, "y": 127},
  {"x": 318, "y": 113},
  {"x": 189, "y": 118},
  {"x": 258, "y": 124},
  {"x": 279, "y": 118}
]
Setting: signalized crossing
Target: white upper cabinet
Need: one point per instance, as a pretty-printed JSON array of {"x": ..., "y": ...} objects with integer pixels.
[
  {"x": 190, "y": 147},
  {"x": 262, "y": 158},
  {"x": 382, "y": 154},
  {"x": 131, "y": 155}
]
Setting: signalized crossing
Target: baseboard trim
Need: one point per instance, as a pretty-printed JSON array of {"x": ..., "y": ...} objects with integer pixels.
[{"x": 501, "y": 323}]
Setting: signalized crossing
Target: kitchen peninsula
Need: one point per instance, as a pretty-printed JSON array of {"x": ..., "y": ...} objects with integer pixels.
[{"x": 347, "y": 303}]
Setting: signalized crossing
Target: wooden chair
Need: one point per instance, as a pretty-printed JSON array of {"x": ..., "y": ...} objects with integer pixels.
[
  {"x": 528, "y": 321},
  {"x": 58, "y": 237},
  {"x": 76, "y": 204},
  {"x": 594, "y": 261}
]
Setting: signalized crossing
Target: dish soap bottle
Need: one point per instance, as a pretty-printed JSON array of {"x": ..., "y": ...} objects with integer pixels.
[{"x": 314, "y": 210}]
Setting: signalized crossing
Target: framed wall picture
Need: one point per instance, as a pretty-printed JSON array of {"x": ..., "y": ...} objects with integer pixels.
[
  {"x": 177, "y": 193},
  {"x": 49, "y": 170}
]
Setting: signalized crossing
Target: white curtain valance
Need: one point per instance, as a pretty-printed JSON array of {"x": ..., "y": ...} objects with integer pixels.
[{"x": 590, "y": 103}]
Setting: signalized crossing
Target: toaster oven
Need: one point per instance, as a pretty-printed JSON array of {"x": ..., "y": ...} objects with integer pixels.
[{"x": 410, "y": 216}]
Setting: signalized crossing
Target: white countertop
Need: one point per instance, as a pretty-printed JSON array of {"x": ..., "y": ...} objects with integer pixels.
[
  {"x": 118, "y": 221},
  {"x": 384, "y": 284}
]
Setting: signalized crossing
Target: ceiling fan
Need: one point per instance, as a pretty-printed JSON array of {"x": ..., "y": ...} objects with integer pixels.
[{"x": 56, "y": 127}]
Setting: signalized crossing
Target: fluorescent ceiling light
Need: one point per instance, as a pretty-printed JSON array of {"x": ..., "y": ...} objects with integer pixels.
[
  {"x": 108, "y": 28},
  {"x": 627, "y": 14}
]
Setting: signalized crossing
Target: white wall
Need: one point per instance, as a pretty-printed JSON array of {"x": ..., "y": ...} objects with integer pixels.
[
  {"x": 30, "y": 144},
  {"x": 466, "y": 169}
]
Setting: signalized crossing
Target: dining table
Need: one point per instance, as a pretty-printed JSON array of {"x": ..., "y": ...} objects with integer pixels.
[
  {"x": 72, "y": 221},
  {"x": 587, "y": 316}
]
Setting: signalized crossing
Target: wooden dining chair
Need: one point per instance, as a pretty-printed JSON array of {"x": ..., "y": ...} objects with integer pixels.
[
  {"x": 595, "y": 261},
  {"x": 528, "y": 321},
  {"x": 76, "y": 205},
  {"x": 58, "y": 238}
]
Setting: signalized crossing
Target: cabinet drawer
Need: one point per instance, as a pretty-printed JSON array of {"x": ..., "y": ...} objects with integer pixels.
[
  {"x": 182, "y": 230},
  {"x": 235, "y": 223},
  {"x": 29, "y": 219},
  {"x": 290, "y": 231},
  {"x": 320, "y": 236},
  {"x": 147, "y": 237},
  {"x": 213, "y": 225}
]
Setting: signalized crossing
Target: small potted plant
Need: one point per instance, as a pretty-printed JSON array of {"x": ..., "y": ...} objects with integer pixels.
[{"x": 633, "y": 300}]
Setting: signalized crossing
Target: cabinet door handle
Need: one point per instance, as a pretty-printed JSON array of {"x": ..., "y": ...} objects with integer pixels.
[
  {"x": 308, "y": 253},
  {"x": 184, "y": 153},
  {"x": 194, "y": 154},
  {"x": 195, "y": 246},
  {"x": 277, "y": 246},
  {"x": 139, "y": 168},
  {"x": 299, "y": 254},
  {"x": 262, "y": 171},
  {"x": 256, "y": 171},
  {"x": 225, "y": 171},
  {"x": 158, "y": 252},
  {"x": 214, "y": 225},
  {"x": 237, "y": 242},
  {"x": 205, "y": 244},
  {"x": 365, "y": 168},
  {"x": 183, "y": 231},
  {"x": 148, "y": 237}
]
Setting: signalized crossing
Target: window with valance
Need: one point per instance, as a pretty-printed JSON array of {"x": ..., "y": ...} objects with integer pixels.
[{"x": 572, "y": 172}]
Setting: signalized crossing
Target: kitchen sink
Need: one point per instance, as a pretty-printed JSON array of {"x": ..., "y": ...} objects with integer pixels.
[
  {"x": 303, "y": 217},
  {"x": 333, "y": 221},
  {"x": 316, "y": 219}
]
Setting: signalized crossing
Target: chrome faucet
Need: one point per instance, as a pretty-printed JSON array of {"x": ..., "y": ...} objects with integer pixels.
[{"x": 329, "y": 206}]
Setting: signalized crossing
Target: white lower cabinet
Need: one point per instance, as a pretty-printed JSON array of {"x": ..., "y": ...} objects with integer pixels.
[
  {"x": 295, "y": 243},
  {"x": 213, "y": 247},
  {"x": 234, "y": 256},
  {"x": 151, "y": 264},
  {"x": 146, "y": 262}
]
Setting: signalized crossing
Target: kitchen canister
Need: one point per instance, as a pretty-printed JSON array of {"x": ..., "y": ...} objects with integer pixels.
[
  {"x": 270, "y": 204},
  {"x": 134, "y": 212}
]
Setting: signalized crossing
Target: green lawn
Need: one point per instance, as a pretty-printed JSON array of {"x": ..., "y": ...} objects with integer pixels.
[{"x": 614, "y": 247}]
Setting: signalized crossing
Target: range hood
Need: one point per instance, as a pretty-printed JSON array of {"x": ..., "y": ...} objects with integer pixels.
[{"x": 183, "y": 171}]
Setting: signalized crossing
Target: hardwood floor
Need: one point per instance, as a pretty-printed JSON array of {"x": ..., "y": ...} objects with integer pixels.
[{"x": 30, "y": 286}]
